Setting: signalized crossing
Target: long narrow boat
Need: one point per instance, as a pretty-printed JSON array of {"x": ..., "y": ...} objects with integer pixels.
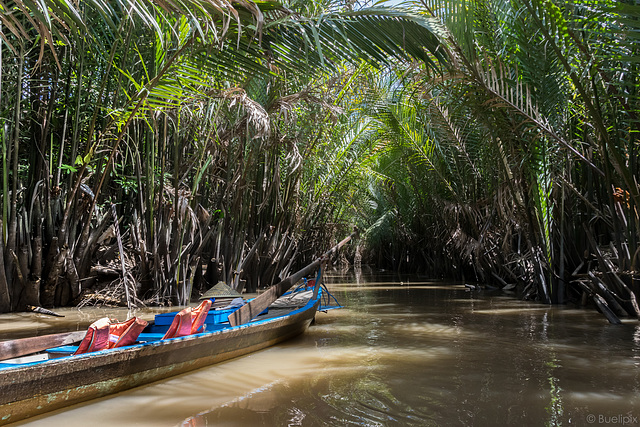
[
  {"x": 56, "y": 377},
  {"x": 32, "y": 387}
]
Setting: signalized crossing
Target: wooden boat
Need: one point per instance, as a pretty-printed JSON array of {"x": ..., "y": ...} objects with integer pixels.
[
  {"x": 55, "y": 378},
  {"x": 32, "y": 387}
]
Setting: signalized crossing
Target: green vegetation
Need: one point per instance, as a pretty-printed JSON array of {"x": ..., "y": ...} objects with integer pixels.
[
  {"x": 166, "y": 146},
  {"x": 519, "y": 164},
  {"x": 159, "y": 145}
]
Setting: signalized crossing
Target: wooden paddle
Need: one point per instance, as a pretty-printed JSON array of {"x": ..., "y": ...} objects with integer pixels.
[
  {"x": 23, "y": 346},
  {"x": 256, "y": 306}
]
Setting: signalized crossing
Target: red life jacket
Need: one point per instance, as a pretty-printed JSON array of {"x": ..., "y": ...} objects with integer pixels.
[
  {"x": 199, "y": 315},
  {"x": 125, "y": 333},
  {"x": 188, "y": 320},
  {"x": 103, "y": 334},
  {"x": 97, "y": 337}
]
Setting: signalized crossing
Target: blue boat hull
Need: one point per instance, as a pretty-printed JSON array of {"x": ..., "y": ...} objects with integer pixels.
[{"x": 35, "y": 388}]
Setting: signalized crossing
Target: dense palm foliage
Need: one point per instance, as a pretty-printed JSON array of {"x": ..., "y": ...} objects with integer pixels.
[
  {"x": 169, "y": 145},
  {"x": 166, "y": 146},
  {"x": 520, "y": 163}
]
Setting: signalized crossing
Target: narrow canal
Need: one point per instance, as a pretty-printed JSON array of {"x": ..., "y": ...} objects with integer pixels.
[{"x": 410, "y": 353}]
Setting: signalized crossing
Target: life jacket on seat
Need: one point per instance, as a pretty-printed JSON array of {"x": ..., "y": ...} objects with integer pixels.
[
  {"x": 125, "y": 333},
  {"x": 199, "y": 315},
  {"x": 97, "y": 337},
  {"x": 188, "y": 320},
  {"x": 103, "y": 334}
]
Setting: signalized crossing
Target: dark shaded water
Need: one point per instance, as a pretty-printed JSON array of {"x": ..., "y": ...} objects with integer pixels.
[{"x": 407, "y": 354}]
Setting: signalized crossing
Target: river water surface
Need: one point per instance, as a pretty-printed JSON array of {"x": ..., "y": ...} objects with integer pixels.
[{"x": 410, "y": 353}]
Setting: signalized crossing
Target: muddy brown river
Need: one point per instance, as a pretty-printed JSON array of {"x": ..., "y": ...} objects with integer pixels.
[{"x": 401, "y": 353}]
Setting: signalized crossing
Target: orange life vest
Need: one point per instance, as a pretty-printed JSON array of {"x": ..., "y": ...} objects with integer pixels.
[
  {"x": 199, "y": 315},
  {"x": 97, "y": 337},
  {"x": 188, "y": 320},
  {"x": 125, "y": 333},
  {"x": 103, "y": 334}
]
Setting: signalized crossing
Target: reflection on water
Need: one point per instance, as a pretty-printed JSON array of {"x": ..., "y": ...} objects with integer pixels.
[{"x": 406, "y": 354}]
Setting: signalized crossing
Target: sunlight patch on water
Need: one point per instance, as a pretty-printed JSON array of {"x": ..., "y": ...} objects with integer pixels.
[
  {"x": 595, "y": 396},
  {"x": 557, "y": 346},
  {"x": 429, "y": 329},
  {"x": 391, "y": 286},
  {"x": 577, "y": 359},
  {"x": 394, "y": 314},
  {"x": 334, "y": 281},
  {"x": 465, "y": 300},
  {"x": 354, "y": 357},
  {"x": 372, "y": 307},
  {"x": 340, "y": 329},
  {"x": 512, "y": 310}
]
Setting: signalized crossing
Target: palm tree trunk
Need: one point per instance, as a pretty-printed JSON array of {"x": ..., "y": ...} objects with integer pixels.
[
  {"x": 5, "y": 295},
  {"x": 13, "y": 219}
]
